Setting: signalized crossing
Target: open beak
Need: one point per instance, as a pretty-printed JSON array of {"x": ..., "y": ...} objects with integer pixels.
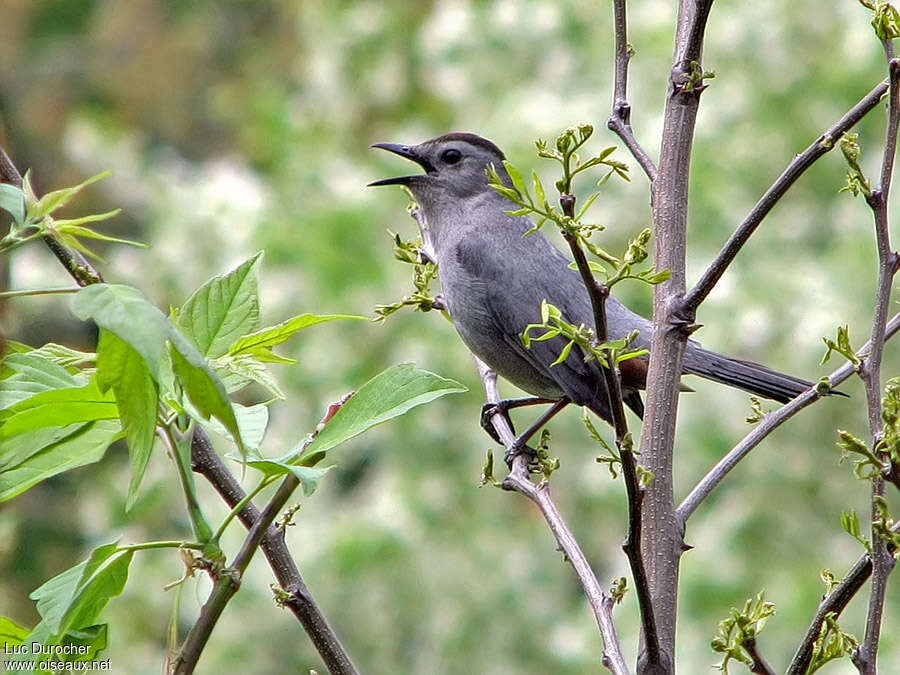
[{"x": 408, "y": 152}]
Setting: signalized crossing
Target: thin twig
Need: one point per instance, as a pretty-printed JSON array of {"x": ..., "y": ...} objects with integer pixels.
[
  {"x": 610, "y": 377},
  {"x": 834, "y": 602},
  {"x": 759, "y": 666},
  {"x": 769, "y": 423},
  {"x": 865, "y": 657},
  {"x": 788, "y": 177},
  {"x": 294, "y": 594},
  {"x": 518, "y": 479},
  {"x": 76, "y": 264},
  {"x": 228, "y": 581},
  {"x": 620, "y": 120}
]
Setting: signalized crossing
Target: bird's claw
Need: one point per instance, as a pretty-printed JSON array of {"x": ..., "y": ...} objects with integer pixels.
[
  {"x": 520, "y": 448},
  {"x": 488, "y": 410}
]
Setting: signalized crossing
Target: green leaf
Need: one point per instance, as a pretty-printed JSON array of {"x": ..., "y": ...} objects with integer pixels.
[
  {"x": 518, "y": 180},
  {"x": 84, "y": 446},
  {"x": 309, "y": 476},
  {"x": 54, "y": 200},
  {"x": 32, "y": 374},
  {"x": 203, "y": 386},
  {"x": 58, "y": 407},
  {"x": 73, "y": 228},
  {"x": 539, "y": 190},
  {"x": 122, "y": 369},
  {"x": 64, "y": 356},
  {"x": 252, "y": 421},
  {"x": 74, "y": 599},
  {"x": 22, "y": 446},
  {"x": 12, "y": 200},
  {"x": 12, "y": 633},
  {"x": 387, "y": 395},
  {"x": 223, "y": 309},
  {"x": 564, "y": 354},
  {"x": 125, "y": 311},
  {"x": 240, "y": 370},
  {"x": 260, "y": 343}
]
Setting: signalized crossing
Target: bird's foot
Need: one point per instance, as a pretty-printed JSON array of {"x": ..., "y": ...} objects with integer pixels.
[
  {"x": 521, "y": 448},
  {"x": 488, "y": 410}
]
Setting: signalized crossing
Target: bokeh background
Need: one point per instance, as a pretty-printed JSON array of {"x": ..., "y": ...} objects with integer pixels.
[{"x": 235, "y": 126}]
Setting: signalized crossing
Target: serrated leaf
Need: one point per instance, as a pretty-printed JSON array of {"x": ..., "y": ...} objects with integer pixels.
[
  {"x": 63, "y": 356},
  {"x": 73, "y": 228},
  {"x": 260, "y": 343},
  {"x": 86, "y": 445},
  {"x": 32, "y": 374},
  {"x": 122, "y": 369},
  {"x": 22, "y": 446},
  {"x": 223, "y": 309},
  {"x": 387, "y": 395}
]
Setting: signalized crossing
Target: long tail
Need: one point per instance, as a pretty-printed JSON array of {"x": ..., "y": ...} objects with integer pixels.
[{"x": 746, "y": 375}]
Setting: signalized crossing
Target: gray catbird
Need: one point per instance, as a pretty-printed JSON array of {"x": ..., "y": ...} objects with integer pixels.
[{"x": 494, "y": 279}]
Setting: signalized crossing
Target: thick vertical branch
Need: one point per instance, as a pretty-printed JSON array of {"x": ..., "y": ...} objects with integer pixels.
[
  {"x": 883, "y": 562},
  {"x": 661, "y": 540}
]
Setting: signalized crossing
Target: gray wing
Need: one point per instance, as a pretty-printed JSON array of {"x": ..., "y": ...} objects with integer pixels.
[{"x": 511, "y": 288}]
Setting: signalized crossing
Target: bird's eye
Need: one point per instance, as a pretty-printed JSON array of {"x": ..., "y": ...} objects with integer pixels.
[{"x": 451, "y": 156}]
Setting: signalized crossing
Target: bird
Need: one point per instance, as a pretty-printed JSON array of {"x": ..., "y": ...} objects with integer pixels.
[{"x": 495, "y": 270}]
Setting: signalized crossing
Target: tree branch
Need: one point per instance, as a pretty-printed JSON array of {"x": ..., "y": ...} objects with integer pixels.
[
  {"x": 296, "y": 595},
  {"x": 610, "y": 377},
  {"x": 76, "y": 264},
  {"x": 620, "y": 120},
  {"x": 834, "y": 602},
  {"x": 518, "y": 480},
  {"x": 782, "y": 184},
  {"x": 883, "y": 563},
  {"x": 759, "y": 666},
  {"x": 769, "y": 423},
  {"x": 662, "y": 537},
  {"x": 228, "y": 581}
]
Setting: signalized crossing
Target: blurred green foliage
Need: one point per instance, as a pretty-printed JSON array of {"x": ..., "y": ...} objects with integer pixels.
[{"x": 244, "y": 125}]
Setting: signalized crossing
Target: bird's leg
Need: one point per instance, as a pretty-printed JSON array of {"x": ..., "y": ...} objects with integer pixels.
[
  {"x": 488, "y": 410},
  {"x": 520, "y": 444}
]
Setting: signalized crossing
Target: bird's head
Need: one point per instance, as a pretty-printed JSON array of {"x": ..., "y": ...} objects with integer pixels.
[{"x": 455, "y": 167}]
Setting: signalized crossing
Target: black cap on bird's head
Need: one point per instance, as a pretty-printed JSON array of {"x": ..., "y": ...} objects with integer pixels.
[{"x": 455, "y": 162}]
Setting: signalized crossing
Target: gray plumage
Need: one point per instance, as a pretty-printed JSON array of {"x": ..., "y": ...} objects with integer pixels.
[{"x": 493, "y": 281}]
